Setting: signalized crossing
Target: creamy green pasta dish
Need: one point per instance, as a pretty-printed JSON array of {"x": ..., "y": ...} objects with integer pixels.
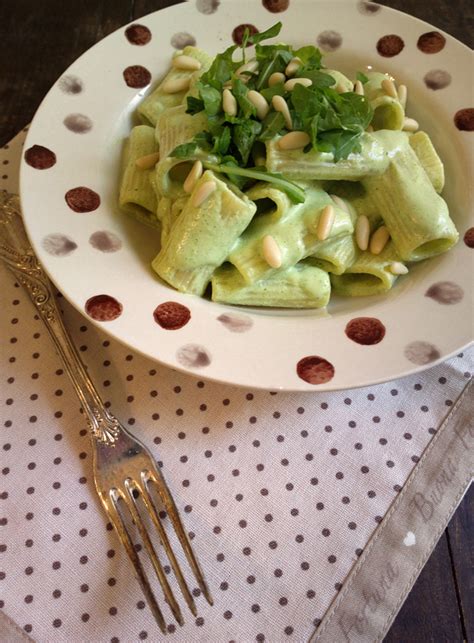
[{"x": 272, "y": 180}]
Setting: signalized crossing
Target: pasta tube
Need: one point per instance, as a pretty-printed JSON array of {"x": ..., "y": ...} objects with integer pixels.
[
  {"x": 369, "y": 274},
  {"x": 416, "y": 216},
  {"x": 388, "y": 111},
  {"x": 159, "y": 100},
  {"x": 301, "y": 286},
  {"x": 137, "y": 196},
  {"x": 295, "y": 235},
  {"x": 202, "y": 236},
  {"x": 314, "y": 165}
]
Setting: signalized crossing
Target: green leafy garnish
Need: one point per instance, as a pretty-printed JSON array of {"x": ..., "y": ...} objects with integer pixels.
[
  {"x": 333, "y": 121},
  {"x": 294, "y": 191},
  {"x": 362, "y": 77}
]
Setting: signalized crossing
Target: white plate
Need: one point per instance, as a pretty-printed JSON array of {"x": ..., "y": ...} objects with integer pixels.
[{"x": 88, "y": 112}]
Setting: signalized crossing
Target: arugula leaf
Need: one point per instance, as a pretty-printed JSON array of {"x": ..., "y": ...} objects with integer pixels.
[
  {"x": 275, "y": 60},
  {"x": 195, "y": 105},
  {"x": 222, "y": 141},
  {"x": 340, "y": 143},
  {"x": 310, "y": 57},
  {"x": 221, "y": 69},
  {"x": 294, "y": 191},
  {"x": 273, "y": 123},
  {"x": 318, "y": 78},
  {"x": 275, "y": 90},
  {"x": 362, "y": 77},
  {"x": 211, "y": 98},
  {"x": 271, "y": 32},
  {"x": 244, "y": 136},
  {"x": 184, "y": 151},
  {"x": 240, "y": 91}
]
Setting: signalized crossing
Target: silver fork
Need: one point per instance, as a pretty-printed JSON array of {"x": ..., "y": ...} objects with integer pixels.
[{"x": 124, "y": 469}]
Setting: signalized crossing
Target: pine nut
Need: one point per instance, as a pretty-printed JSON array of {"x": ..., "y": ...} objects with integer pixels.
[
  {"x": 293, "y": 141},
  {"x": 194, "y": 175},
  {"x": 403, "y": 95},
  {"x": 251, "y": 66},
  {"x": 203, "y": 192},
  {"x": 271, "y": 251},
  {"x": 175, "y": 85},
  {"x": 362, "y": 232},
  {"x": 340, "y": 203},
  {"x": 389, "y": 88},
  {"x": 359, "y": 88},
  {"x": 148, "y": 161},
  {"x": 229, "y": 103},
  {"x": 275, "y": 78},
  {"x": 280, "y": 105},
  {"x": 325, "y": 223},
  {"x": 369, "y": 129},
  {"x": 186, "y": 62},
  {"x": 398, "y": 268},
  {"x": 290, "y": 84},
  {"x": 379, "y": 240},
  {"x": 340, "y": 88},
  {"x": 410, "y": 125},
  {"x": 292, "y": 67},
  {"x": 259, "y": 102}
]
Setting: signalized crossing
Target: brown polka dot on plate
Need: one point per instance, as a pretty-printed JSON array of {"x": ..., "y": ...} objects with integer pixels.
[
  {"x": 39, "y": 157},
  {"x": 70, "y": 85},
  {"x": 171, "y": 315},
  {"x": 365, "y": 330},
  {"x": 421, "y": 353},
  {"x": 207, "y": 6},
  {"x": 235, "y": 323},
  {"x": 431, "y": 42},
  {"x": 137, "y": 76},
  {"x": 437, "y": 79},
  {"x": 469, "y": 238},
  {"x": 138, "y": 34},
  {"x": 105, "y": 241},
  {"x": 82, "y": 199},
  {"x": 193, "y": 356},
  {"x": 390, "y": 45},
  {"x": 238, "y": 32},
  {"x": 329, "y": 40},
  {"x": 78, "y": 123},
  {"x": 58, "y": 245},
  {"x": 368, "y": 8},
  {"x": 103, "y": 308},
  {"x": 276, "y": 6},
  {"x": 315, "y": 370},
  {"x": 182, "y": 39},
  {"x": 464, "y": 119},
  {"x": 445, "y": 292}
]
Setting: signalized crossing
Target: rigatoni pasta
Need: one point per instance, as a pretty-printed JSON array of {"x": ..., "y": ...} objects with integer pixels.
[{"x": 276, "y": 181}]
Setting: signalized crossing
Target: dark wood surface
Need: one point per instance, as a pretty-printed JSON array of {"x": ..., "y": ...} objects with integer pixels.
[{"x": 39, "y": 40}]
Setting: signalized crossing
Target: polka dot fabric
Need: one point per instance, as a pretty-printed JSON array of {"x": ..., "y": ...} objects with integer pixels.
[{"x": 279, "y": 492}]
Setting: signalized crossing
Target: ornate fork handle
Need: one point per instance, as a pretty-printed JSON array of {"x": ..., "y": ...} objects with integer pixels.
[{"x": 20, "y": 258}]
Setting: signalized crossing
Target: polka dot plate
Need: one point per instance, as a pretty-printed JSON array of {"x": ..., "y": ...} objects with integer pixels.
[{"x": 100, "y": 259}]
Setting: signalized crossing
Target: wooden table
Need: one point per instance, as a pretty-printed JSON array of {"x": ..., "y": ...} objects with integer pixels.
[{"x": 39, "y": 41}]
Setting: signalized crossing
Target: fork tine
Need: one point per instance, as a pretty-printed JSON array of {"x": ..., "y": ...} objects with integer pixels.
[
  {"x": 117, "y": 521},
  {"x": 137, "y": 519},
  {"x": 172, "y": 511},
  {"x": 150, "y": 505}
]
